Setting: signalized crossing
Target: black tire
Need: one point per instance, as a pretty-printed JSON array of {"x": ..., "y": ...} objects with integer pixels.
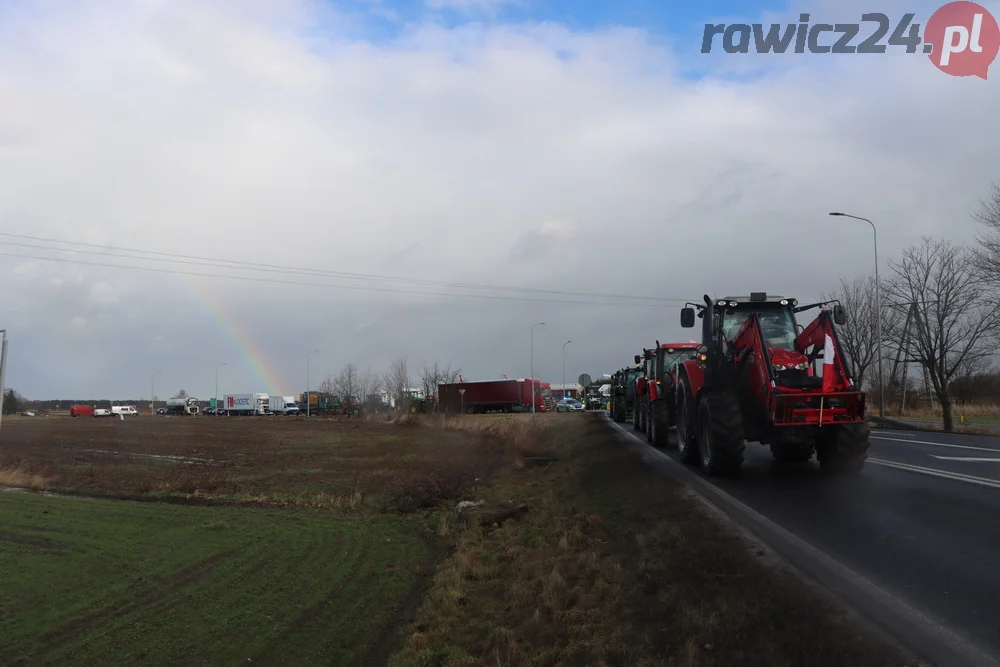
[
  {"x": 720, "y": 433},
  {"x": 619, "y": 410},
  {"x": 649, "y": 422},
  {"x": 687, "y": 444},
  {"x": 844, "y": 451},
  {"x": 658, "y": 425},
  {"x": 635, "y": 414}
]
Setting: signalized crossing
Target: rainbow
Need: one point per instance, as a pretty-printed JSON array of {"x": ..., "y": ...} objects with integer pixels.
[{"x": 269, "y": 380}]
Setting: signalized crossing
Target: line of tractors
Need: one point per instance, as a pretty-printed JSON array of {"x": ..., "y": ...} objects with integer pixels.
[{"x": 756, "y": 375}]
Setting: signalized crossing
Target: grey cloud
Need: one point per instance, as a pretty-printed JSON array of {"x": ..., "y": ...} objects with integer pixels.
[{"x": 196, "y": 129}]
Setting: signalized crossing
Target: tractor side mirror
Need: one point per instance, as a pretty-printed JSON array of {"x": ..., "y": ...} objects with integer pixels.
[
  {"x": 839, "y": 315},
  {"x": 687, "y": 317},
  {"x": 638, "y": 359},
  {"x": 647, "y": 354}
]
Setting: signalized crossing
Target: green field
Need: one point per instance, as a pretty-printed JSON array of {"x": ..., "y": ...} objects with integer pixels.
[{"x": 93, "y": 581}]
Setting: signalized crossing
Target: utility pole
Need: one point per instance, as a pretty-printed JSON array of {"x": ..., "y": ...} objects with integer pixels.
[
  {"x": 564, "y": 369},
  {"x": 3, "y": 370},
  {"x": 152, "y": 392},
  {"x": 216, "y": 413},
  {"x": 532, "y": 380},
  {"x": 308, "y": 405}
]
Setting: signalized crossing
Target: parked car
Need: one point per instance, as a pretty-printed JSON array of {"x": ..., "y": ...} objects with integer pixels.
[
  {"x": 208, "y": 411},
  {"x": 161, "y": 411},
  {"x": 569, "y": 405}
]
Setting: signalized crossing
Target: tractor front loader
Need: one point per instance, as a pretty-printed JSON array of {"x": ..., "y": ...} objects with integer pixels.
[{"x": 754, "y": 379}]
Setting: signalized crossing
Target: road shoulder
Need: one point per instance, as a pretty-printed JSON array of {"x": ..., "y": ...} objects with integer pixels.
[{"x": 615, "y": 564}]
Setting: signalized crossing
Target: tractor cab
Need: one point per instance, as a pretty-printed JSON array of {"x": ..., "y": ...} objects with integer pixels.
[{"x": 668, "y": 355}]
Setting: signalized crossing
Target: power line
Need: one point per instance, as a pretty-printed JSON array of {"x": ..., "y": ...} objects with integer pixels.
[
  {"x": 292, "y": 282},
  {"x": 277, "y": 268}
]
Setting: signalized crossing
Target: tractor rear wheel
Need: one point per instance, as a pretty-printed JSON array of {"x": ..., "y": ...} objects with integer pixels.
[
  {"x": 687, "y": 445},
  {"x": 720, "y": 433},
  {"x": 845, "y": 450},
  {"x": 658, "y": 425},
  {"x": 619, "y": 410}
]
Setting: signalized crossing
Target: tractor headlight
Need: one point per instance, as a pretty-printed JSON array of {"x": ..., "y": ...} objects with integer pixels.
[
  {"x": 803, "y": 366},
  {"x": 779, "y": 367}
]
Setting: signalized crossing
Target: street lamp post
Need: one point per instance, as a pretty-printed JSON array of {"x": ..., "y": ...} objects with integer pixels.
[
  {"x": 152, "y": 391},
  {"x": 3, "y": 368},
  {"x": 308, "y": 405},
  {"x": 564, "y": 369},
  {"x": 878, "y": 312},
  {"x": 216, "y": 413},
  {"x": 533, "y": 364}
]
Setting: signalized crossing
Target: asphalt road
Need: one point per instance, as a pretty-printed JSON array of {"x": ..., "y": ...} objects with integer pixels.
[{"x": 922, "y": 522}]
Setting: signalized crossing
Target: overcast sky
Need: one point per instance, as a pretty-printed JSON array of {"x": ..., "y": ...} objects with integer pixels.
[{"x": 543, "y": 144}]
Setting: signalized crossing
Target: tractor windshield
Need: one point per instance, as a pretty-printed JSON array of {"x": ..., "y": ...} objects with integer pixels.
[
  {"x": 777, "y": 326},
  {"x": 671, "y": 359}
]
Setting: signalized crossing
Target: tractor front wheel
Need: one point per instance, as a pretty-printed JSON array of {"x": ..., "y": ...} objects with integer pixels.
[
  {"x": 658, "y": 425},
  {"x": 845, "y": 450},
  {"x": 720, "y": 433},
  {"x": 619, "y": 410},
  {"x": 686, "y": 440}
]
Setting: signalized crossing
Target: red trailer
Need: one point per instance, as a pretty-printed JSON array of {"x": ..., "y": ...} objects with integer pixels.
[{"x": 491, "y": 396}]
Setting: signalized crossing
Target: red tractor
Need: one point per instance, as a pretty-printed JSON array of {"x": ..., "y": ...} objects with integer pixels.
[
  {"x": 754, "y": 378},
  {"x": 659, "y": 388},
  {"x": 645, "y": 363}
]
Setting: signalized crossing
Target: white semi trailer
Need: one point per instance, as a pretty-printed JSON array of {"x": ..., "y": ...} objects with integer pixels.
[{"x": 246, "y": 404}]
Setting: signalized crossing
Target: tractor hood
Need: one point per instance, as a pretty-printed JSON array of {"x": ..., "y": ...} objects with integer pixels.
[{"x": 787, "y": 358}]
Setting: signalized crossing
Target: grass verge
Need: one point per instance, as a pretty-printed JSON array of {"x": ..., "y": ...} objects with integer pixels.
[
  {"x": 94, "y": 581},
  {"x": 615, "y": 565}
]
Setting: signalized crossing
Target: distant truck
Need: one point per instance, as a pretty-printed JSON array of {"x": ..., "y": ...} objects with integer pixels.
[
  {"x": 283, "y": 405},
  {"x": 81, "y": 411},
  {"x": 493, "y": 396},
  {"x": 182, "y": 406},
  {"x": 246, "y": 404}
]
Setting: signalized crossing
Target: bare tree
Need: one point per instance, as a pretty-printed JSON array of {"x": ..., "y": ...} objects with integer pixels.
[
  {"x": 957, "y": 317},
  {"x": 432, "y": 376},
  {"x": 328, "y": 386},
  {"x": 180, "y": 394},
  {"x": 860, "y": 335},
  {"x": 347, "y": 385},
  {"x": 368, "y": 384},
  {"x": 396, "y": 381},
  {"x": 987, "y": 252}
]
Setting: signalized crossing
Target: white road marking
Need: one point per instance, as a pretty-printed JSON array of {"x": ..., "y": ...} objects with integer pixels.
[
  {"x": 937, "y": 444},
  {"x": 933, "y": 472},
  {"x": 967, "y": 458}
]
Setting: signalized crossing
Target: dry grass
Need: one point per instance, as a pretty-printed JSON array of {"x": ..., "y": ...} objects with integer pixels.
[
  {"x": 969, "y": 410},
  {"x": 614, "y": 565},
  {"x": 21, "y": 478}
]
